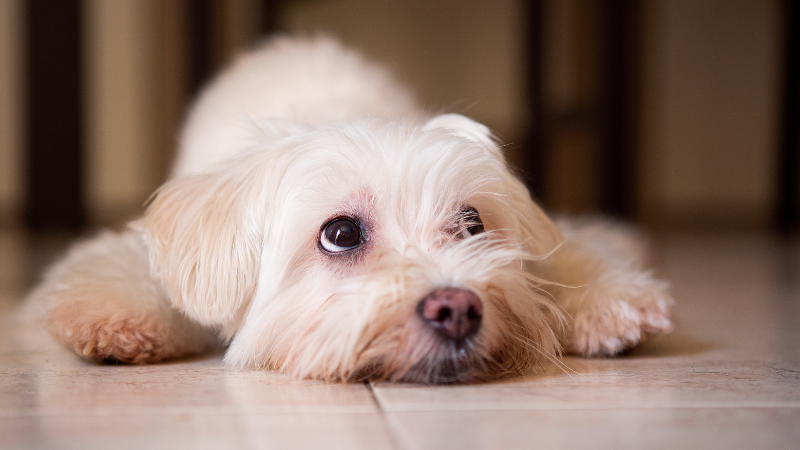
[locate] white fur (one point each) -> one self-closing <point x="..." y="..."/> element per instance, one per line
<point x="299" y="132"/>
<point x="285" y="86"/>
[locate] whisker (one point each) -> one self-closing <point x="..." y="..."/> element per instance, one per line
<point x="540" y="349"/>
<point x="552" y="358"/>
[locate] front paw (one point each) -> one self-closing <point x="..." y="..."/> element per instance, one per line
<point x="617" y="318"/>
<point x="106" y="331"/>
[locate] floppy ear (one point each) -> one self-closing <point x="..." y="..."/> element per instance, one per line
<point x="204" y="234"/>
<point x="539" y="233"/>
<point x="463" y="127"/>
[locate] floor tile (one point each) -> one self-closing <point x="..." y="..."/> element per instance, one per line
<point x="197" y="431"/>
<point x="718" y="428"/>
<point x="605" y="385"/>
<point x="729" y="377"/>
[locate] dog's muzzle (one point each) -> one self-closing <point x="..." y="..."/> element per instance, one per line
<point x="454" y="313"/>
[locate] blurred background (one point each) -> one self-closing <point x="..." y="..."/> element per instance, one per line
<point x="675" y="114"/>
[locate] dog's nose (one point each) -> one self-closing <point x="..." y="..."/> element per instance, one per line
<point x="454" y="313"/>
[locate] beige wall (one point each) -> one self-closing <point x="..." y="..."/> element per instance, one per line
<point x="709" y="128"/>
<point x="120" y="104"/>
<point x="136" y="92"/>
<point x="11" y="110"/>
<point x="709" y="83"/>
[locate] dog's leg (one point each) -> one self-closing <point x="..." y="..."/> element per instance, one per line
<point x="612" y="303"/>
<point x="101" y="301"/>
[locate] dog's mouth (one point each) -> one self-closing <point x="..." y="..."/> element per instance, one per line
<point x="451" y="362"/>
<point x="447" y="361"/>
<point x="463" y="365"/>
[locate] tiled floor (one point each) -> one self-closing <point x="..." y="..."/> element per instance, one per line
<point x="728" y="378"/>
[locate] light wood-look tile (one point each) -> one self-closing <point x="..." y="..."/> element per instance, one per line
<point x="729" y="377"/>
<point x="601" y="386"/>
<point x="571" y="429"/>
<point x="196" y="430"/>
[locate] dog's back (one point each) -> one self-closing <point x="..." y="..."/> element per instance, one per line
<point x="286" y="84"/>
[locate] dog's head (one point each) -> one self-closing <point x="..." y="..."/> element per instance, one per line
<point x="367" y="249"/>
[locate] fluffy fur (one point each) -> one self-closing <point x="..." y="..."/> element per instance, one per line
<point x="298" y="133"/>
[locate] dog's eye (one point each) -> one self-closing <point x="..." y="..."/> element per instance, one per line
<point x="340" y="235"/>
<point x="469" y="222"/>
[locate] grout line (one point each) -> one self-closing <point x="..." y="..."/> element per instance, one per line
<point x="373" y="396"/>
<point x="395" y="434"/>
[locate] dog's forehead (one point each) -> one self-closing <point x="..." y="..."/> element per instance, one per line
<point x="401" y="162"/>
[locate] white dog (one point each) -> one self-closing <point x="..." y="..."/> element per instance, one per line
<point x="318" y="223"/>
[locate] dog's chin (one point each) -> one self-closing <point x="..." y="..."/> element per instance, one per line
<point x="471" y="360"/>
<point x="448" y="362"/>
<point x="461" y="367"/>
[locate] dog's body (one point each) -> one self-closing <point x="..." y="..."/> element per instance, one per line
<point x="321" y="224"/>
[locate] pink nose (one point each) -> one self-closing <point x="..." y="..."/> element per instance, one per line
<point x="454" y="313"/>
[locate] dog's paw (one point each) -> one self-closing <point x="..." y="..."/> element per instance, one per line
<point x="620" y="318"/>
<point x="110" y="334"/>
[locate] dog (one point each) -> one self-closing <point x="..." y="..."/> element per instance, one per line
<point x="317" y="222"/>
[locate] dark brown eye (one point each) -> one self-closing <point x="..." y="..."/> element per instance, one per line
<point x="340" y="235"/>
<point x="469" y="222"/>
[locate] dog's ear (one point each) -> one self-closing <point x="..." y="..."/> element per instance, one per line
<point x="204" y="234"/>
<point x="464" y="127"/>
<point x="540" y="235"/>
